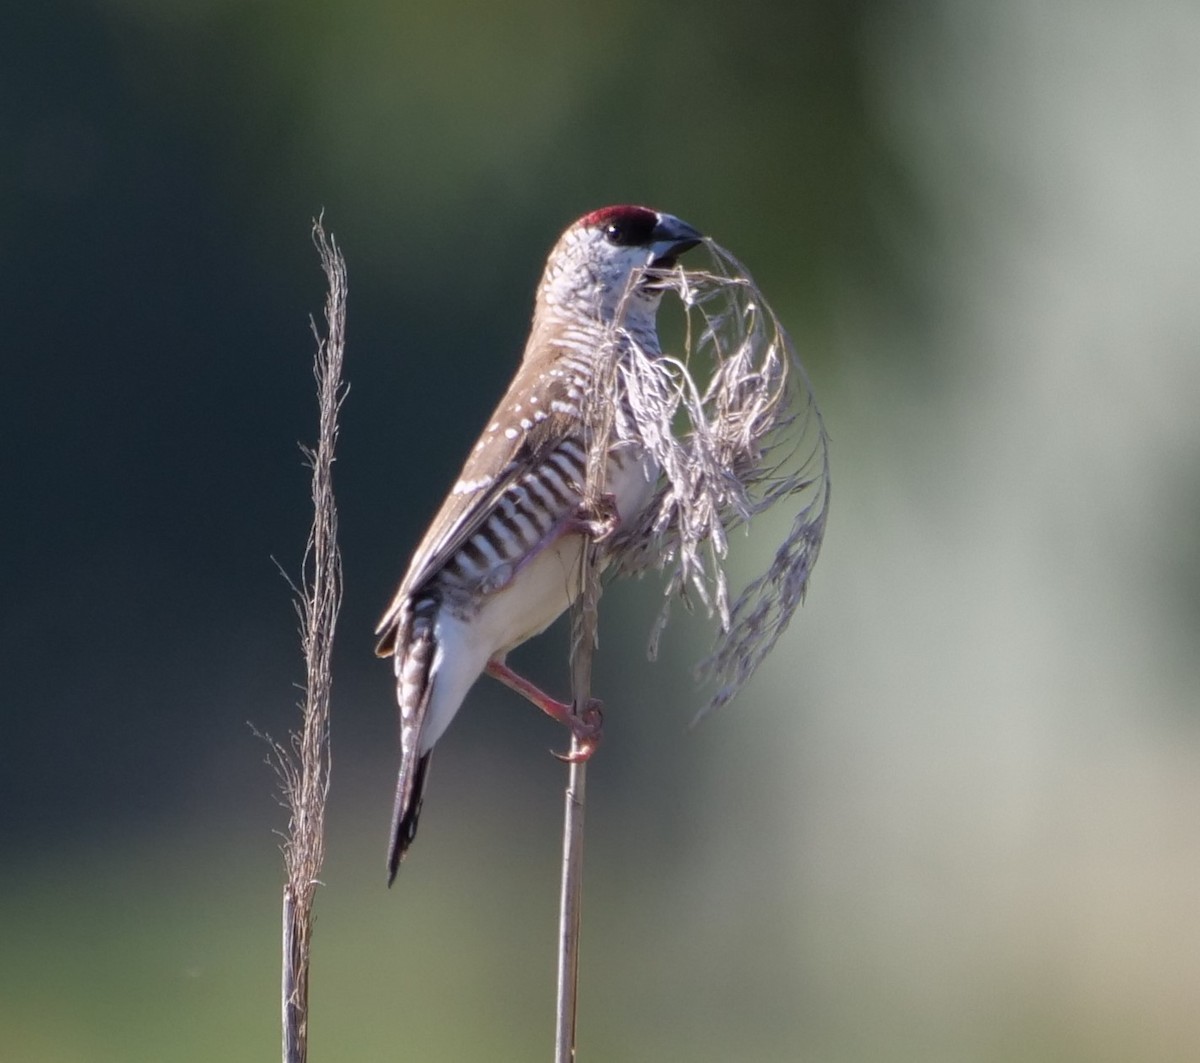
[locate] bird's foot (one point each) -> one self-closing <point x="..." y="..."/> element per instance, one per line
<point x="587" y="728"/>
<point x="597" y="521"/>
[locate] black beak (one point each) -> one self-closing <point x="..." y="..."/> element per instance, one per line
<point x="672" y="238"/>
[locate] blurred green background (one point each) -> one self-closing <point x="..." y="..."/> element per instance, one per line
<point x="956" y="817"/>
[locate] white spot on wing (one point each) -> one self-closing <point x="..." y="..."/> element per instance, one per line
<point x="510" y="433"/>
<point x="465" y="487"/>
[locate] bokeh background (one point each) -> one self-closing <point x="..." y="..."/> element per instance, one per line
<point x="956" y="818"/>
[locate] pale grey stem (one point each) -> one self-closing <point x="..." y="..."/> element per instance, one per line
<point x="568" y="911"/>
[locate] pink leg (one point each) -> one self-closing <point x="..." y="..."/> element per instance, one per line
<point x="585" y="727"/>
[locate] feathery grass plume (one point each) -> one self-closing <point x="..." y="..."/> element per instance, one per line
<point x="730" y="449"/>
<point x="303" y="763"/>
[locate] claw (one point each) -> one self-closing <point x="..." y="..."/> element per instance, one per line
<point x="587" y="728"/>
<point x="598" y="522"/>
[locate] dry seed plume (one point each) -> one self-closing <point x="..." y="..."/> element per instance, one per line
<point x="730" y="449"/>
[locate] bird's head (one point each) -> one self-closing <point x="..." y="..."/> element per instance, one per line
<point x="601" y="262"/>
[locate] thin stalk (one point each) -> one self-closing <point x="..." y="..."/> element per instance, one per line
<point x="570" y="895"/>
<point x="569" y="907"/>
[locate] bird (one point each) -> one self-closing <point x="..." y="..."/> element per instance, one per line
<point x="501" y="559"/>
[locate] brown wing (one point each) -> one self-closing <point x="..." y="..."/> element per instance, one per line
<point x="518" y="437"/>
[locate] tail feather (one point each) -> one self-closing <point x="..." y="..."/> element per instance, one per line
<point x="410" y="795"/>
<point x="412" y="643"/>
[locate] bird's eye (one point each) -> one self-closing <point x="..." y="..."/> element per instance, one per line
<point x="617" y="234"/>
